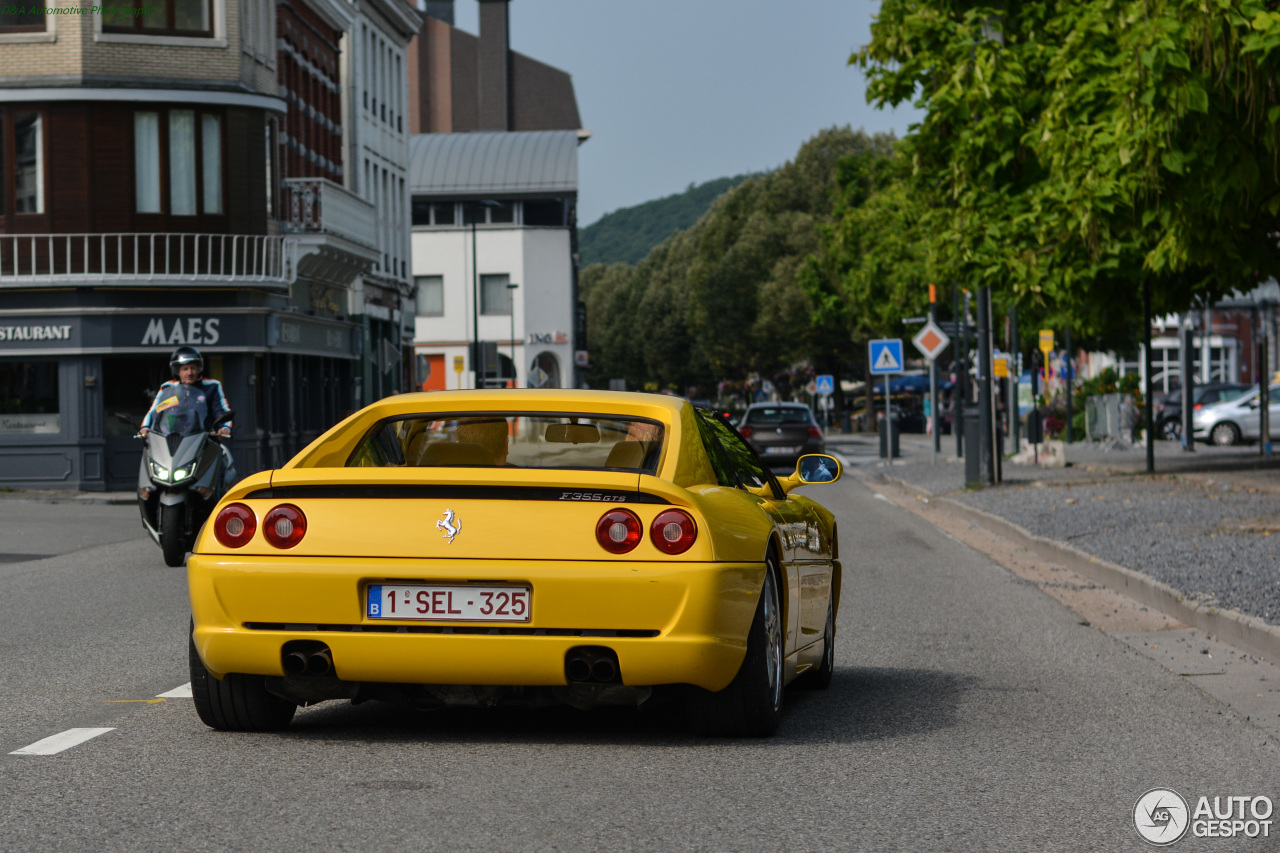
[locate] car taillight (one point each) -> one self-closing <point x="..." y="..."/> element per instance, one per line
<point x="745" y="431"/>
<point x="1198" y="406"/>
<point x="235" y="525"/>
<point x="284" y="526"/>
<point x="814" y="432"/>
<point x="618" y="531"/>
<point x="673" y="532"/>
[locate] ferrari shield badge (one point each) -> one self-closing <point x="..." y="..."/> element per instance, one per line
<point x="449" y="525"/>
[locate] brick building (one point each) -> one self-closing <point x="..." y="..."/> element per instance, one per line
<point x="176" y="176"/>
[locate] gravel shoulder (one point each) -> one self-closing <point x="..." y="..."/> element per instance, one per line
<point x="1209" y="528"/>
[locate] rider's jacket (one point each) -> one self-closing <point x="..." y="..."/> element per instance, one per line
<point x="211" y="395"/>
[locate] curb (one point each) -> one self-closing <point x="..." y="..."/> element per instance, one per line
<point x="1232" y="627"/>
<point x="109" y="498"/>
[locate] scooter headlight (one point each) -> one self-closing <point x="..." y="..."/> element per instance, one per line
<point x="184" y="473"/>
<point x="159" y="472"/>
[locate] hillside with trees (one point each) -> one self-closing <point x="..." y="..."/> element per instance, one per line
<point x="627" y="235"/>
<point x="759" y="287"/>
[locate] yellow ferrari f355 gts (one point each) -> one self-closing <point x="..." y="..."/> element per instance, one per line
<point x="523" y="546"/>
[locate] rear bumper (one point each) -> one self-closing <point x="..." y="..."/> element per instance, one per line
<point x="680" y="623"/>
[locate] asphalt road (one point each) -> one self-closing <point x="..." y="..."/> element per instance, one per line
<point x="968" y="711"/>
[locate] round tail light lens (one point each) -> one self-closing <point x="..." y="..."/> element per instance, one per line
<point x="284" y="526"/>
<point x="745" y="431"/>
<point x="618" y="531"/>
<point x="235" y="525"/>
<point x="673" y="532"/>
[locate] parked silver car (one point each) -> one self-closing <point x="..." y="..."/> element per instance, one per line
<point x="1234" y="421"/>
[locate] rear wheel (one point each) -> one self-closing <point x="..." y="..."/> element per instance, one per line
<point x="1171" y="429"/>
<point x="237" y="703"/>
<point x="171" y="534"/>
<point x="1224" y="434"/>
<point x="751" y="706"/>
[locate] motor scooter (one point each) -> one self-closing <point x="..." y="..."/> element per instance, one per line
<point x="185" y="471"/>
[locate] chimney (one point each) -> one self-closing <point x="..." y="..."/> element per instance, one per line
<point x="441" y="10"/>
<point x="494" y="64"/>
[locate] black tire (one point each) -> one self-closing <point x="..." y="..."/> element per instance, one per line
<point x="237" y="703"/>
<point x="171" y="534"/>
<point x="819" y="678"/>
<point x="751" y="706"/>
<point x="1170" y="429"/>
<point x="1224" y="434"/>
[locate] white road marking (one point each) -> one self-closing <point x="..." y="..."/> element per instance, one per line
<point x="183" y="692"/>
<point x="59" y="742"/>
<point x="881" y="497"/>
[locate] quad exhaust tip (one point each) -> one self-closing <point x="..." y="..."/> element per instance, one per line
<point x="591" y="665"/>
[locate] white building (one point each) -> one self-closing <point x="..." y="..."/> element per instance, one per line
<point x="375" y="108"/>
<point x="494" y="222"/>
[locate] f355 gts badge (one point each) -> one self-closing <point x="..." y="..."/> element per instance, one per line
<point x="450" y="525"/>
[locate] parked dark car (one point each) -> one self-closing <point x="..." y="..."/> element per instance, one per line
<point x="781" y="432"/>
<point x="1169" y="411"/>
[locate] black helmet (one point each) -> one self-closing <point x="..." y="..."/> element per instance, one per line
<point x="186" y="355"/>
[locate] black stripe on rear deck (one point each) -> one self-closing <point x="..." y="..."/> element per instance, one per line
<point x="458" y="493"/>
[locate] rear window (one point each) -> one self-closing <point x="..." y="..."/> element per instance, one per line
<point x="513" y="440"/>
<point x="778" y="415"/>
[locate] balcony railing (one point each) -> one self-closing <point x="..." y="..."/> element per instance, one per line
<point x="141" y="258"/>
<point x="320" y="206"/>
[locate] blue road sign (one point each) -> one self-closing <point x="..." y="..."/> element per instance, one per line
<point x="886" y="356"/>
<point x="826" y="384"/>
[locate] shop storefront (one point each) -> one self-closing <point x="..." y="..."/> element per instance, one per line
<point x="65" y="373"/>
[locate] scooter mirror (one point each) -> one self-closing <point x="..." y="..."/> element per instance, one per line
<point x="125" y="419"/>
<point x="224" y="418"/>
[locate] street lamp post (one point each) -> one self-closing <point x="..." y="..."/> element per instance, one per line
<point x="477" y="210"/>
<point x="511" y="307"/>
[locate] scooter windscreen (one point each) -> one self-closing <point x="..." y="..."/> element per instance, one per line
<point x="182" y="410"/>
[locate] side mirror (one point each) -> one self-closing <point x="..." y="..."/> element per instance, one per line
<point x="124" y="418"/>
<point x="814" y="468"/>
<point x="224" y="418"/>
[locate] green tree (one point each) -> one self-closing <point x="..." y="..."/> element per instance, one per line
<point x="1069" y="148"/>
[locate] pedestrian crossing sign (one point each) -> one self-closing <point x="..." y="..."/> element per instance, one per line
<point x="886" y="356"/>
<point x="825" y="384"/>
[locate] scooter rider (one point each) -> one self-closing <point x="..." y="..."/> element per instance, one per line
<point x="187" y="365"/>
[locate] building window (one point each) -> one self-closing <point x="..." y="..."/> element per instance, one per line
<point x="430" y="295"/>
<point x="184" y="147"/>
<point x="160" y="17"/>
<point x="146" y="161"/>
<point x="495" y="296"/>
<point x="29" y="20"/>
<point x="548" y="212"/>
<point x="29" y="397"/>
<point x="211" y="162"/>
<point x="182" y="162"/>
<point x="433" y="213"/>
<point x="28" y="156"/>
<point x="488" y="212"/>
<point x="22" y="162"/>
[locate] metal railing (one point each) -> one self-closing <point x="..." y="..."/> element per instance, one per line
<point x="320" y="206"/>
<point x="141" y="258"/>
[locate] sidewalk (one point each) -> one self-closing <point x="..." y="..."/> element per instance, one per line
<point x="1199" y="531"/>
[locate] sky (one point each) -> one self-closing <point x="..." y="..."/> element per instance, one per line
<point x="679" y="92"/>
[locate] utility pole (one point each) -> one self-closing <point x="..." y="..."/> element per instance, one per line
<point x="1015" y="376"/>
<point x="1071" y="375"/>
<point x="1146" y="359"/>
<point x="985" y="401"/>
<point x="935" y="416"/>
